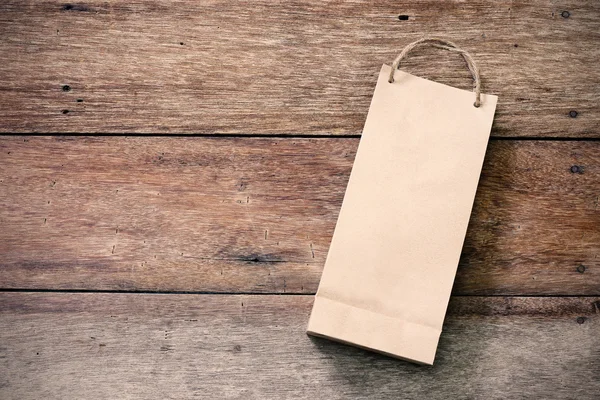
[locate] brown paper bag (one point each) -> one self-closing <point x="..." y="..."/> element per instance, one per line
<point x="396" y="246"/>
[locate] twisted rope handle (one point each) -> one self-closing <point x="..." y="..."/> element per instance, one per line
<point x="446" y="45"/>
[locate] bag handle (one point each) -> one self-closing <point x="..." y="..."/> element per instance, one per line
<point x="446" y="45"/>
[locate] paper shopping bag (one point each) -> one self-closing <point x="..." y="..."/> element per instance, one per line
<point x="396" y="246"/>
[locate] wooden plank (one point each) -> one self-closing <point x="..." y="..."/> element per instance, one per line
<point x="257" y="215"/>
<point x="107" y="346"/>
<point x="301" y="67"/>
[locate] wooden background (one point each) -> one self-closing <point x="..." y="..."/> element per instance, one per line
<point x="171" y="173"/>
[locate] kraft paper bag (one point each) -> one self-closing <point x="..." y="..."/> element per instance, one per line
<point x="396" y="246"/>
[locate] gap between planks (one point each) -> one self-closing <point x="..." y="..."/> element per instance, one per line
<point x="211" y="293"/>
<point x="273" y="136"/>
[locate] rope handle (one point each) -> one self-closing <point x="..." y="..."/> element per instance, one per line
<point x="446" y="45"/>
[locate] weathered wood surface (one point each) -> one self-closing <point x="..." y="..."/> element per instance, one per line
<point x="257" y="214"/>
<point x="109" y="346"/>
<point x="285" y="67"/>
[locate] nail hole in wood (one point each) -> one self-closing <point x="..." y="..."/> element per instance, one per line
<point x="565" y="14"/>
<point x="573" y="114"/>
<point x="580" y="320"/>
<point x="65" y="111"/>
<point x="576" y="169"/>
<point x="403" y="17"/>
<point x="80" y="100"/>
<point x="581" y="269"/>
<point x="66" y="88"/>
<point x="68" y="7"/>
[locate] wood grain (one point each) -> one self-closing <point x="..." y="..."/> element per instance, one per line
<point x="303" y="67"/>
<point x="107" y="346"/>
<point x="256" y="215"/>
